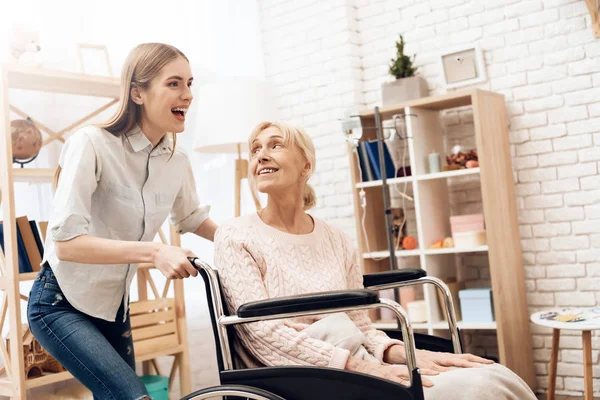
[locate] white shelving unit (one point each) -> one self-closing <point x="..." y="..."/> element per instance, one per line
<point x="432" y="210"/>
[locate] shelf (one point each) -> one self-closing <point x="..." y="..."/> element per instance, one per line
<point x="392" y="181"/>
<point x="435" y="203"/>
<point x="449" y="174"/>
<point x="389" y="325"/>
<point x="385" y="254"/>
<point x="465" y="326"/>
<point x="63" y="376"/>
<point x="440" y="102"/>
<point x="418" y="252"/>
<point x="33" y="175"/>
<point x="28" y="276"/>
<point x="427" y="177"/>
<point x="48" y="379"/>
<point x="55" y="81"/>
<point x="45" y="80"/>
<point x="166" y="352"/>
<point x="456" y="250"/>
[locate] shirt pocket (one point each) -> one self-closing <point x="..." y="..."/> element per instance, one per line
<point x="121" y="211"/>
<point x="164" y="204"/>
<point x="164" y="200"/>
<point x="122" y="192"/>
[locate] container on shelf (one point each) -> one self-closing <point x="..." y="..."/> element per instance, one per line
<point x="435" y="164"/>
<point x="467" y="223"/>
<point x="454" y="286"/>
<point x="469" y="239"/>
<point x="417" y="311"/>
<point x="477" y="305"/>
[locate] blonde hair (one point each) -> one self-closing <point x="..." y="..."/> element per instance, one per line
<point x="142" y="65"/>
<point x="292" y="136"/>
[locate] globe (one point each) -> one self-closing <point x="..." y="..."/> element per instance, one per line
<point x="26" y="140"/>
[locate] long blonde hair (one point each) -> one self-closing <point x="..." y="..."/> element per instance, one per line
<point x="292" y="136"/>
<point x="142" y="65"/>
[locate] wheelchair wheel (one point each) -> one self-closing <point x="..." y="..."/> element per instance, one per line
<point x="237" y="391"/>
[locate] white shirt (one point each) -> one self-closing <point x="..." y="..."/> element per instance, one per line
<point x="116" y="187"/>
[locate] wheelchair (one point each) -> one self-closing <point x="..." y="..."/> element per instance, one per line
<point x="316" y="383"/>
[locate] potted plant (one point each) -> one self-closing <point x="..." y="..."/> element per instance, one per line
<point x="407" y="85"/>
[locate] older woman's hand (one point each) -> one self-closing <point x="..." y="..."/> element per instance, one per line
<point x="395" y="373"/>
<point x="433" y="360"/>
<point x="437" y="361"/>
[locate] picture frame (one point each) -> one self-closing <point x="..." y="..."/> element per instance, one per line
<point x="93" y="55"/>
<point x="462" y="66"/>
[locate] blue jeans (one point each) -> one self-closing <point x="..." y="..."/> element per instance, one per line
<point x="98" y="353"/>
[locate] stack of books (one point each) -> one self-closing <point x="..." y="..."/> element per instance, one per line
<point x="30" y="244"/>
<point x="368" y="155"/>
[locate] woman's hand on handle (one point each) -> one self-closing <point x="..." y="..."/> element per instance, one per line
<point x="173" y="262"/>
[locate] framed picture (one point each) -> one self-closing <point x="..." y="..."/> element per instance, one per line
<point x="462" y="66"/>
<point x="93" y="59"/>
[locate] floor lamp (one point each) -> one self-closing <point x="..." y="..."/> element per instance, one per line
<point x="228" y="112"/>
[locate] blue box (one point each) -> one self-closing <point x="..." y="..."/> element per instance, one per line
<point x="477" y="305"/>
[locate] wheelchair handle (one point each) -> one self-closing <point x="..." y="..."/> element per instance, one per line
<point x="195" y="261"/>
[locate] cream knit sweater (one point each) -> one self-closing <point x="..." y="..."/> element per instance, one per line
<point x="256" y="262"/>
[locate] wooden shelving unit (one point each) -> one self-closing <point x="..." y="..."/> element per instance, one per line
<point x="423" y="119"/>
<point x="594" y="9"/>
<point x="13" y="382"/>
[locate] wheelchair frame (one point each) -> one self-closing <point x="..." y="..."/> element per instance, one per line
<point x="221" y="322"/>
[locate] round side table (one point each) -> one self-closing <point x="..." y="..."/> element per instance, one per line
<point x="584" y="320"/>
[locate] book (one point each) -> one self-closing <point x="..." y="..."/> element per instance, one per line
<point x="366" y="164"/>
<point x="364" y="176"/>
<point x="43" y="226"/>
<point x="30" y="243"/>
<point x="373" y="152"/>
<point x="38" y="238"/>
<point x="24" y="264"/>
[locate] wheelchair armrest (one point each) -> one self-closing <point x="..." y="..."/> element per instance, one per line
<point x="395" y="276"/>
<point x="308" y="302"/>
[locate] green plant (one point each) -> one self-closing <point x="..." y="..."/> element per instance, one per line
<point x="402" y="66"/>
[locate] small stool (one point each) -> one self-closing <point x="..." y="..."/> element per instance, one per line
<point x="590" y="320"/>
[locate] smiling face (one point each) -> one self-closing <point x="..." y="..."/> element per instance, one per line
<point x="277" y="166"/>
<point x="167" y="98"/>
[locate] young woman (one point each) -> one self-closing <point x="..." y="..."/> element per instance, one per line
<point x="283" y="251"/>
<point x="115" y="186"/>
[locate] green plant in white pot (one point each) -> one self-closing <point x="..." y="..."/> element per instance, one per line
<point x="407" y="85"/>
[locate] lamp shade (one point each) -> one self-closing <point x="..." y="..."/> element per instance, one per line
<point x="226" y="112"/>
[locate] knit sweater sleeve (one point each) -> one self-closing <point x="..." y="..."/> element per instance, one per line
<point x="377" y="341"/>
<point x="271" y="342"/>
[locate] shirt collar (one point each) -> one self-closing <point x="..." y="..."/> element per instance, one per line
<point x="139" y="141"/>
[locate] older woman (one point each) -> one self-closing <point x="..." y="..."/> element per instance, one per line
<point x="283" y="251"/>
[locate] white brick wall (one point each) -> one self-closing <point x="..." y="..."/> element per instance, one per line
<point x="329" y="57"/>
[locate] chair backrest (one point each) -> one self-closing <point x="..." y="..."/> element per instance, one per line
<point x="153" y="326"/>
